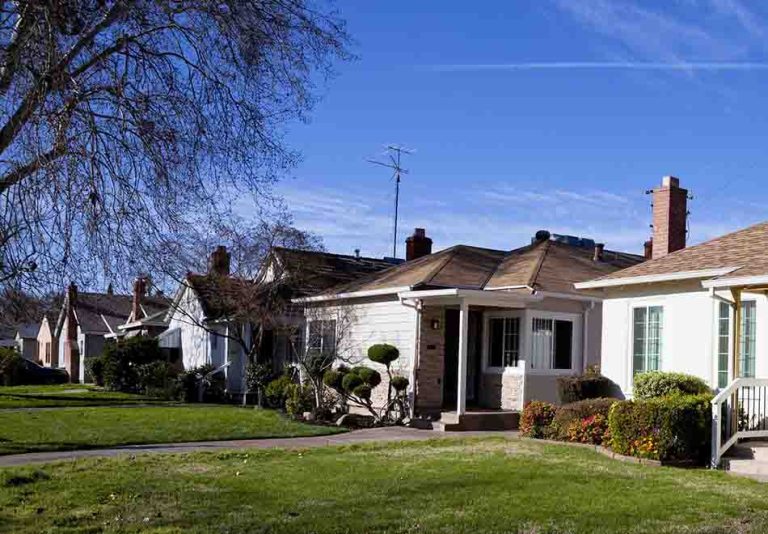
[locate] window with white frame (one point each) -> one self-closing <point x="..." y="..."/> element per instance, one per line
<point x="723" y="343"/>
<point x="748" y="339"/>
<point x="321" y="336"/>
<point x="647" y="335"/>
<point x="503" y="342"/>
<point x="551" y="343"/>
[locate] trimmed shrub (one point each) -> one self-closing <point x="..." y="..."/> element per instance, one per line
<point x="576" y="413"/>
<point x="298" y="400"/>
<point x="369" y="376"/>
<point x="122" y="359"/>
<point x="674" y="429"/>
<point x="350" y="381"/>
<point x="592" y="429"/>
<point x="11" y="367"/>
<point x="158" y="379"/>
<point x="582" y="387"/>
<point x="655" y="384"/>
<point x="188" y="384"/>
<point x="536" y="419"/>
<point x="383" y="353"/>
<point x="399" y="383"/>
<point x="278" y="390"/>
<point x="362" y="391"/>
<point x="94" y="370"/>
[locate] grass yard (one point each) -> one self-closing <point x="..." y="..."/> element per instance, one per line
<point x="472" y="486"/>
<point x="66" y="395"/>
<point x="97" y="427"/>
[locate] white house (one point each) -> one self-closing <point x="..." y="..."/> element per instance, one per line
<point x="476" y="328"/>
<point x="699" y="310"/>
<point x="209" y="321"/>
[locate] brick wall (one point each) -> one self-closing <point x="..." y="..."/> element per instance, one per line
<point x="429" y="375"/>
<point x="670" y="213"/>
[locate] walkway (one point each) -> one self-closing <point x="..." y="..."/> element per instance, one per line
<point x="357" y="436"/>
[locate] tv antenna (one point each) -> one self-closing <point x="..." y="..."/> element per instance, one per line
<point x="394" y="152"/>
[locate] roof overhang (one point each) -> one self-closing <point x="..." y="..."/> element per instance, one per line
<point x="737" y="281"/>
<point x="352" y="295"/>
<point x="472" y="296"/>
<point x="655" y="278"/>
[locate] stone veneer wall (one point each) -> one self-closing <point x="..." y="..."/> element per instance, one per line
<point x="429" y="374"/>
<point x="502" y="391"/>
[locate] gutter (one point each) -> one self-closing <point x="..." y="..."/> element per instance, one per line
<point x="418" y="306"/>
<point x="653" y="278"/>
<point x="352" y="294"/>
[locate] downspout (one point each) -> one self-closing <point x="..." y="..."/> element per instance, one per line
<point x="585" y="336"/>
<point x="418" y="306"/>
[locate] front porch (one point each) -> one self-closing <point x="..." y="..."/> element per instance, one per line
<point x="482" y="354"/>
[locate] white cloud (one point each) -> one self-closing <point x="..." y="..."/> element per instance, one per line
<point x="680" y="66"/>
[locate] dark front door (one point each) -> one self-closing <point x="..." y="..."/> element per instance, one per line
<point x="451" y="362"/>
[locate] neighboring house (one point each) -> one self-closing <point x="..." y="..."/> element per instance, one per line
<point x="149" y="314"/>
<point x="26" y="340"/>
<point x="700" y="310"/>
<point x="86" y="322"/>
<point x="202" y="322"/>
<point x="47" y="342"/>
<point x="475" y="327"/>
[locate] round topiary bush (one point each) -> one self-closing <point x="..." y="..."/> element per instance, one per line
<point x="399" y="383"/>
<point x="363" y="391"/>
<point x="655" y="384"/>
<point x="368" y="375"/>
<point x="383" y="354"/>
<point x="350" y="382"/>
<point x="333" y="379"/>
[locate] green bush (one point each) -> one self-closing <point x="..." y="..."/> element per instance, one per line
<point x="278" y="391"/>
<point x="11" y="367"/>
<point x="536" y="419"/>
<point x="673" y="429"/>
<point x="122" y="359"/>
<point x="298" y="400"/>
<point x="383" y="354"/>
<point x="369" y="376"/>
<point x="655" y="384"/>
<point x="576" y="412"/>
<point x="188" y="384"/>
<point x="158" y="379"/>
<point x="582" y="387"/>
<point x="94" y="370"/>
<point x="399" y="383"/>
<point x="350" y="381"/>
<point x="258" y="375"/>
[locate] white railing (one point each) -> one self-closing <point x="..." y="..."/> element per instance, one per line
<point x="739" y="411"/>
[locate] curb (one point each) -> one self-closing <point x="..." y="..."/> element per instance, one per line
<point x="599" y="449"/>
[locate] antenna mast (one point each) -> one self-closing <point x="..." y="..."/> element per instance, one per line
<point x="394" y="152"/>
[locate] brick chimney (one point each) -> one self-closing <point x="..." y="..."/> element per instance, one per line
<point x="71" y="351"/>
<point x="648" y="249"/>
<point x="139" y="292"/>
<point x="670" y="214"/>
<point x="599" y="250"/>
<point x="218" y="263"/>
<point x="418" y="245"/>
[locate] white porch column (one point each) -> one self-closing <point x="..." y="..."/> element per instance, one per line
<point x="461" y="391"/>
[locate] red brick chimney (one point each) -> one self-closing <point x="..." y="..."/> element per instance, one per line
<point x="418" y="245"/>
<point x="599" y="251"/>
<point x="139" y="292"/>
<point x="670" y="214"/>
<point x="218" y="263"/>
<point x="648" y="249"/>
<point x="71" y="351"/>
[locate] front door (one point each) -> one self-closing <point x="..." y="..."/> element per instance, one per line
<point x="451" y="361"/>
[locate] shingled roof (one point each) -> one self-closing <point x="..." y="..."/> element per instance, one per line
<point x="546" y="265"/>
<point x="742" y="253"/>
<point x="94" y="311"/>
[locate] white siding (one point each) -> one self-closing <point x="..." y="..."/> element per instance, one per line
<point x="195" y="342"/>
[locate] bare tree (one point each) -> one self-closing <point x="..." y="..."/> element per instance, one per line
<point x="132" y="128"/>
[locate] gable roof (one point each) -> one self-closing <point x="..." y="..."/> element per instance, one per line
<point x="547" y="265"/>
<point x="303" y="271"/>
<point x="738" y="254"/>
<point x="103" y="313"/>
<point x="28" y="330"/>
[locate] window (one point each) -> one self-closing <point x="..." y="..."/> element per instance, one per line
<point x="322" y="336"/>
<point x="723" y="343"/>
<point x="552" y="344"/>
<point x="504" y="342"/>
<point x="648" y="329"/>
<point x="748" y="339"/>
<point x="48" y="353"/>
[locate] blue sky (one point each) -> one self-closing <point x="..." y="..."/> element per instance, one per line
<point x="532" y="114"/>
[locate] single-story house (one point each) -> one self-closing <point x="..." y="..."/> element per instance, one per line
<point x="475" y="327"/>
<point x="47" y="342"/>
<point x="26" y="340"/>
<point x="87" y="321"/>
<point x="213" y="315"/>
<point x="699" y="310"/>
<point x="149" y="314"/>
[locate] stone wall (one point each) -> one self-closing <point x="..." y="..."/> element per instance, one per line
<point x="502" y="391"/>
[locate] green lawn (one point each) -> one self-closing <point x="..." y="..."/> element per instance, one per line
<point x="472" y="486"/>
<point x="66" y="395"/>
<point x="81" y="428"/>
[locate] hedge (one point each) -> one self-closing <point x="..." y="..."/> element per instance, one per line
<point x="582" y="387"/>
<point x="654" y="384"/>
<point x="576" y="412"/>
<point x="674" y="429"/>
<point x="536" y="419"/>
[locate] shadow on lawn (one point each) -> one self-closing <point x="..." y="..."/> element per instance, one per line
<point x="74" y="400"/>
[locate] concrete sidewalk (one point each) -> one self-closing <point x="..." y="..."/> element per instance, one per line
<point x="358" y="436"/>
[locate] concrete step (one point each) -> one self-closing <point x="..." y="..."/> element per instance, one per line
<point x="746" y="467"/>
<point x="477" y="420"/>
<point x="749" y="458"/>
<point x="750" y="450"/>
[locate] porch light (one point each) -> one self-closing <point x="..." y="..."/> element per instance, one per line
<point x="435" y="324"/>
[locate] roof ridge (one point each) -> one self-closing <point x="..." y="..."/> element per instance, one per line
<point x="449" y="253"/>
<point x="545" y="245"/>
<point x="335" y="254"/>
